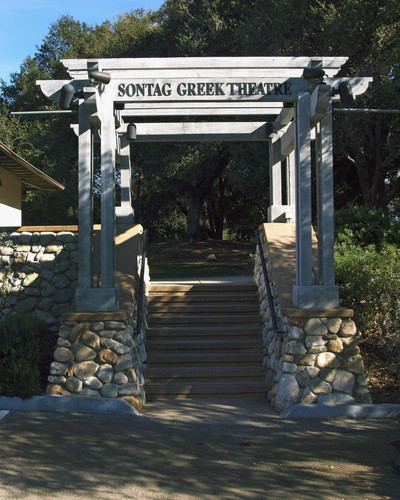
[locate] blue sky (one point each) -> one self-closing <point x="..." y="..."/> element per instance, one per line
<point x="24" y="23"/>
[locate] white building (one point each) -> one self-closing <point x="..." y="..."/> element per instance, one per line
<point x="17" y="174"/>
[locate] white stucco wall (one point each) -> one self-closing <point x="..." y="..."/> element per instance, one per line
<point x="10" y="199"/>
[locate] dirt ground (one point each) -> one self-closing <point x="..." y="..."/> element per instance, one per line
<point x="191" y="449"/>
<point x="179" y="259"/>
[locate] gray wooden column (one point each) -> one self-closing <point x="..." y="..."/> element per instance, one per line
<point x="124" y="213"/>
<point x="108" y="200"/>
<point x="303" y="191"/>
<point x="85" y="202"/>
<point x="291" y="181"/>
<point x="324" y="150"/>
<point x="275" y="172"/>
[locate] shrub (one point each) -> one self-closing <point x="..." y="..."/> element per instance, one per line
<point x="364" y="226"/>
<point x="369" y="281"/>
<point x="21" y="338"/>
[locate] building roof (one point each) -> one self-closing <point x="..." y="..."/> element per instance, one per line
<point x="31" y="177"/>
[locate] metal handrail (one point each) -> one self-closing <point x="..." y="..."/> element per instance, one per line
<point x="267" y="285"/>
<point x="141" y="284"/>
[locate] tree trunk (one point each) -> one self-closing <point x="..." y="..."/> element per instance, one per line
<point x="195" y="229"/>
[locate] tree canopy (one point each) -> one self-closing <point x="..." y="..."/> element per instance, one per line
<point x="212" y="187"/>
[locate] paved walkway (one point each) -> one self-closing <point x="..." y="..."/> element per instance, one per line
<point x="197" y="449"/>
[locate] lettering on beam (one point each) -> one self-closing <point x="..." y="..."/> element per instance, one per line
<point x="183" y="90"/>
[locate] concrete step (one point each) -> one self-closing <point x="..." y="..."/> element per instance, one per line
<point x="212" y="372"/>
<point x="189" y="298"/>
<point x="205" y="308"/>
<point x="199" y="389"/>
<point x="199" y="332"/>
<point x="202" y="288"/>
<point x="164" y="358"/>
<point x="202" y="319"/>
<point x="205" y="345"/>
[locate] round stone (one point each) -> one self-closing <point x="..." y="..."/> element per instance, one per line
<point x="62" y="354"/>
<point x="287" y="392"/>
<point x="31" y="280"/>
<point x="319" y="386"/>
<point x="90" y="393"/>
<point x="315" y="327"/>
<point x="73" y="384"/>
<point x="105" y="373"/>
<point x="303" y="378"/>
<point x="57" y="390"/>
<point x="125" y="338"/>
<point x="124" y="362"/>
<point x="335" y="346"/>
<point x="348" y="328"/>
<point x="134" y="401"/>
<point x="295" y="347"/>
<point x="61" y="342"/>
<point x="308" y="360"/>
<point x="107" y="356"/>
<point x="57" y="368"/>
<point x="97" y="327"/>
<point x="295" y="333"/>
<point x="119" y="378"/>
<point x="336" y="399"/>
<point x="328" y="374"/>
<point x="78" y="330"/>
<point x="343" y="382"/>
<point x="115" y="346"/>
<point x="327" y="360"/>
<point x="83" y="352"/>
<point x="333" y="325"/>
<point x="91" y="340"/>
<point x="129" y="390"/>
<point x="289" y="367"/>
<point x="314" y="341"/>
<point x="93" y="383"/>
<point x="312" y="371"/>
<point x="355" y="364"/>
<point x="85" y="369"/>
<point x="308" y="397"/>
<point x="53" y="379"/>
<point x="109" y="391"/>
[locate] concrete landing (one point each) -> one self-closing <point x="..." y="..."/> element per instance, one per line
<point x="75" y="404"/>
<point x="193" y="450"/>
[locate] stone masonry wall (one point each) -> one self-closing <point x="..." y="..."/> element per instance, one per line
<point x="96" y="357"/>
<point x="315" y="359"/>
<point x="38" y="273"/>
<point x="99" y="358"/>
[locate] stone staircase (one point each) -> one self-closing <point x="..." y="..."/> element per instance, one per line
<point x="204" y="340"/>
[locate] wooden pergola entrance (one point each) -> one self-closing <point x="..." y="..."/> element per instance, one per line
<point x="286" y="101"/>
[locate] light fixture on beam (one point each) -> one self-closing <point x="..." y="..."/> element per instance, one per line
<point x="67" y="95"/>
<point x="131" y="132"/>
<point x="99" y="77"/>
<point x="346" y="94"/>
<point x="313" y="73"/>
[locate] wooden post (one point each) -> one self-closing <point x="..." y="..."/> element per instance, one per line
<point x="325" y="199"/>
<point x="303" y="191"/>
<point x="85" y="186"/>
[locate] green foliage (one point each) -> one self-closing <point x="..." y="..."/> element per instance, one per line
<point x="369" y="282"/>
<point x="367" y="260"/>
<point x="21" y="339"/>
<point x="361" y="226"/>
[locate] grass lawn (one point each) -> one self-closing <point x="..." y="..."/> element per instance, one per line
<point x="178" y="259"/>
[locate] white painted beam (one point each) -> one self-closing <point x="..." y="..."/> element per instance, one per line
<point x="199" y="131"/>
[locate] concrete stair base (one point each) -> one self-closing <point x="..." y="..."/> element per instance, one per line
<point x="204" y="340"/>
